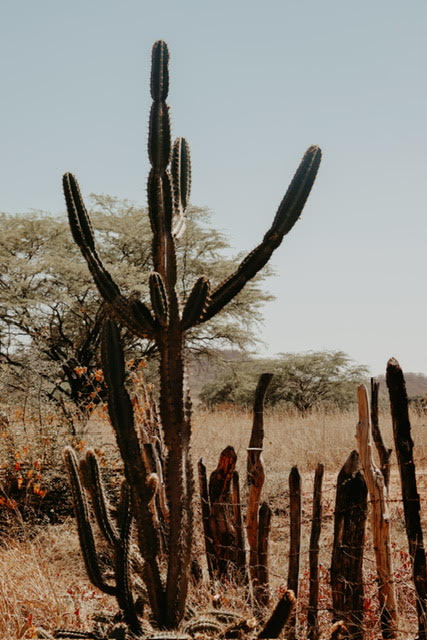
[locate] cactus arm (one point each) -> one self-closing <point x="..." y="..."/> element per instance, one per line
<point x="136" y="316"/>
<point x="86" y="537"/>
<point x="143" y="317"/>
<point x="159" y="186"/>
<point x="159" y="137"/>
<point x="121" y="415"/>
<point x="196" y="304"/>
<point x="90" y="473"/>
<point x="279" y="617"/>
<point x="159" y="299"/>
<point x="181" y="174"/>
<point x="159" y="81"/>
<point x="181" y="184"/>
<point x="288" y="213"/>
<point x="122" y="561"/>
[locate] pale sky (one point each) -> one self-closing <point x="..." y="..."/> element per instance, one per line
<point x="252" y="86"/>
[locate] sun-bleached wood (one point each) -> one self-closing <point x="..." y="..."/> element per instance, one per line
<point x="380" y="518"/>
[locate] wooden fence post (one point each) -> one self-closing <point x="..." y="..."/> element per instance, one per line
<point x="380" y="519"/>
<point x="294" y="544"/>
<point x="221" y="518"/>
<point x="206" y="508"/>
<point x="347" y="553"/>
<point x="262" y="595"/>
<point x="316" y="523"/>
<point x="255" y="474"/>
<point x="238" y="522"/>
<point x="411" y="500"/>
<point x="383" y="453"/>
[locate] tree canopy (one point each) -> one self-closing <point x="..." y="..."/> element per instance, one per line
<point x="51" y="312"/>
<point x="301" y="380"/>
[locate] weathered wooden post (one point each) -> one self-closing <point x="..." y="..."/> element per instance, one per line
<point x="242" y="573"/>
<point x="295" y="543"/>
<point x="206" y="509"/>
<point x="383" y="453"/>
<point x="261" y="588"/>
<point x="347" y="553"/>
<point x="380" y="518"/>
<point x="316" y="523"/>
<point x="256" y="476"/>
<point x="221" y="517"/>
<point x="411" y="500"/>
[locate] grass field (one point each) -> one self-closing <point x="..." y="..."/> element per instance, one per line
<point x="44" y="584"/>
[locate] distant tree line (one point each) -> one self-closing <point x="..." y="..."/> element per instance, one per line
<point x="304" y="381"/>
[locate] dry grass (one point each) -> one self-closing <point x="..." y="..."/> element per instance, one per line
<point x="44" y="582"/>
<point x="44" y="585"/>
<point x="291" y="439"/>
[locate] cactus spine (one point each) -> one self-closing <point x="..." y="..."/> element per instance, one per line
<point x="168" y="190"/>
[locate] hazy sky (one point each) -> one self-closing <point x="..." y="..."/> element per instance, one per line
<point x="252" y="86"/>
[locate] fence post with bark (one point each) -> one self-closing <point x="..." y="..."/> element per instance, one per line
<point x="316" y="523"/>
<point x="380" y="518"/>
<point x="411" y="500"/>
<point x="347" y="553"/>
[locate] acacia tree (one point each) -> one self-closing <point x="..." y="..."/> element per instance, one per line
<point x="50" y="311"/>
<point x="301" y="380"/>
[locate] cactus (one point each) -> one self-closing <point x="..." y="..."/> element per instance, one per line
<point x="87" y="475"/>
<point x="166" y="323"/>
<point x="204" y="625"/>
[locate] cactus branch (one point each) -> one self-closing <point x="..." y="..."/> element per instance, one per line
<point x="121" y="415"/>
<point x="288" y="213"/>
<point x="86" y="537"/>
<point x="141" y="323"/>
<point x="122" y="561"/>
<point x="89" y="470"/>
<point x="181" y="183"/>
<point x="158" y="298"/>
<point x="196" y="304"/>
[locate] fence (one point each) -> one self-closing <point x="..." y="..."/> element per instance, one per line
<point x="351" y="573"/>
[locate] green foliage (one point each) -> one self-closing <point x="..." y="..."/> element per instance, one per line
<point x="302" y="380"/>
<point x="50" y="312"/>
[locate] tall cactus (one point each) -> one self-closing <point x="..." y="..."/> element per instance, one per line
<point x="167" y="322"/>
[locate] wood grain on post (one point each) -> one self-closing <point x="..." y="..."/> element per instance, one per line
<point x="316" y="523"/>
<point x="380" y="518"/>
<point x="255" y="472"/>
<point x="347" y="553"/>
<point x="411" y="500"/>
<point x="383" y="453"/>
<point x="242" y="575"/>
<point x="295" y="543"/>
<point x="221" y="518"/>
<point x="206" y="508"/>
<point x="262" y="595"/>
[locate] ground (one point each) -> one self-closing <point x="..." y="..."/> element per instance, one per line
<point x="44" y="583"/>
